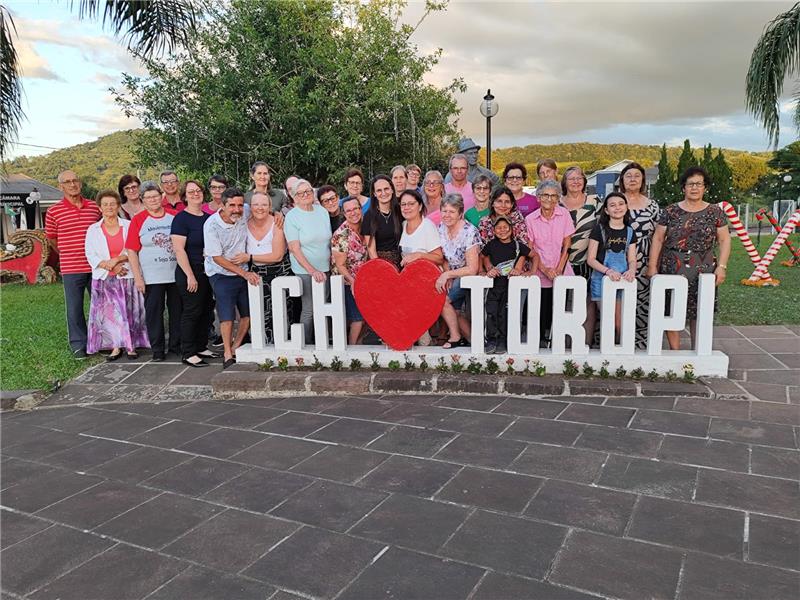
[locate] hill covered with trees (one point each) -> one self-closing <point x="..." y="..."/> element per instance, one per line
<point x="101" y="163"/>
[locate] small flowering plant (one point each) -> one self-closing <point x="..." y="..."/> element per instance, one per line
<point x="457" y="366"/>
<point x="283" y="363"/>
<point x="299" y="361"/>
<point x="688" y="372"/>
<point x="510" y="366"/>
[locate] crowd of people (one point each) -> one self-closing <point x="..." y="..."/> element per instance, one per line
<point x="188" y="250"/>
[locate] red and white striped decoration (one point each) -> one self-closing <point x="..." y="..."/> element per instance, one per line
<point x="733" y="218"/>
<point x="762" y="266"/>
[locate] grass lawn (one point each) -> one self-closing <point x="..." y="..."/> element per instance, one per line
<point x="744" y="305"/>
<point x="34" y="348"/>
<point x="34" y="352"/>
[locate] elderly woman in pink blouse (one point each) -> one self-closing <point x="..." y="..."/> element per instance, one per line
<point x="550" y="230"/>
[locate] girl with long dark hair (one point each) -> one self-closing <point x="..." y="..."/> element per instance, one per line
<point x="383" y="223"/>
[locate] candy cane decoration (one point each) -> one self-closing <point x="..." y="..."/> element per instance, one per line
<point x="761" y="268"/>
<point x="733" y="218"/>
<point x="763" y="213"/>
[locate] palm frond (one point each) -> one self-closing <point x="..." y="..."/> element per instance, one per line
<point x="147" y="26"/>
<point x="776" y="56"/>
<point x="11" y="113"/>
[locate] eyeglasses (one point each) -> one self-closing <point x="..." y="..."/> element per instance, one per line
<point x="353" y="182"/>
<point x="481" y="188"/>
<point x="409" y="204"/>
<point x="131" y="187"/>
<point x="514" y="178"/>
<point x="696" y="184"/>
<point x="304" y="193"/>
<point x="549" y="196"/>
<point x="169" y="181"/>
<point x="329" y="199"/>
<point x="220" y="187"/>
<point x="432" y="183"/>
<point x="193" y="192"/>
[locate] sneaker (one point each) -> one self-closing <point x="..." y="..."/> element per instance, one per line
<point x="501" y="349"/>
<point x="490" y="348"/>
<point x="80" y="354"/>
<point x="217" y="341"/>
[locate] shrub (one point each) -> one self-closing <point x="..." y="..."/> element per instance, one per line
<point x="570" y="368"/>
<point x="637" y="373"/>
<point x="355" y="365"/>
<point x="652" y="375"/>
<point x="620" y="372"/>
<point x="475" y="367"/>
<point x="336" y="364"/>
<point x="492" y="367"/>
<point x="267" y="364"/>
<point x="423" y="364"/>
<point x="375" y="365"/>
<point x="394" y="365"/>
<point x="408" y="364"/>
<point x="587" y="369"/>
<point x="441" y="365"/>
<point x="603" y="372"/>
<point x="283" y="363"/>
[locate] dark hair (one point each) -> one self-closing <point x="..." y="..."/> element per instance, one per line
<point x="324" y="190"/>
<point x="630" y="167"/>
<point x="353" y="172"/>
<point x="218" y="179"/>
<point x="499" y="191"/>
<point x="124" y="181"/>
<point x="231" y="192"/>
<point x="259" y="163"/>
<point x="691" y="172"/>
<point x="108" y="194"/>
<point x="374" y="212"/>
<point x="197" y="183"/>
<point x="417" y="196"/>
<point x="515" y="165"/>
<point x="546" y="162"/>
<point x="603" y="218"/>
<point x="347" y="199"/>
<point x="564" y="179"/>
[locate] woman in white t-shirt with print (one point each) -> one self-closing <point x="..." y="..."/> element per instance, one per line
<point x="420" y="238"/>
<point x="153" y="263"/>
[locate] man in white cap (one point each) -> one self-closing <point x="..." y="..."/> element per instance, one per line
<point x="469" y="148"/>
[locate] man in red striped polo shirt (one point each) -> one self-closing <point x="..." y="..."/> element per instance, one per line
<point x="65" y="225"/>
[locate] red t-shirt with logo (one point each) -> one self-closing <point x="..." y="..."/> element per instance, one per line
<point x="68" y="224"/>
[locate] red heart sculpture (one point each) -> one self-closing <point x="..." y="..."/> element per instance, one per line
<point x="399" y="307"/>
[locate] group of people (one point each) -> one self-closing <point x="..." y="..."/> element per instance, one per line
<point x="191" y="248"/>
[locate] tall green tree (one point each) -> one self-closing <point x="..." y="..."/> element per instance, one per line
<point x="686" y="159"/>
<point x="721" y="180"/>
<point x="664" y="188"/>
<point x="147" y="27"/>
<point x="311" y="87"/>
<point x="775" y="57"/>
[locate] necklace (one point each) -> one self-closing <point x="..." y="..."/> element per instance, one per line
<point x="386" y="216"/>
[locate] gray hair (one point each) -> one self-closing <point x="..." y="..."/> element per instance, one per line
<point x="399" y="168"/>
<point x="460" y="156"/>
<point x="297" y="185"/>
<point x="165" y="173"/>
<point x="433" y="172"/>
<point x="148" y="186"/>
<point x="455" y="200"/>
<point x="548" y="184"/>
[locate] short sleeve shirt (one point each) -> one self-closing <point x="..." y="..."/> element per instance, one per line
<point x="615" y="240"/>
<point x="455" y="249"/>
<point x="385" y="238"/>
<point x="547" y="237"/>
<point x="351" y="244"/>
<point x="313" y="230"/>
<point x="424" y="239"/>
<point x="466" y="193"/>
<point x="68" y="224"/>
<point x="474" y="216"/>
<point x="191" y="227"/>
<point x="527" y="204"/>
<point x="150" y="237"/>
<point x="225" y="240"/>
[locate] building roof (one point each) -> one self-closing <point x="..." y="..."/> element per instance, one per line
<point x="21" y="186"/>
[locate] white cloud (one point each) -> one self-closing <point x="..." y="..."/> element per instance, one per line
<point x="716" y="125"/>
<point x="32" y="65"/>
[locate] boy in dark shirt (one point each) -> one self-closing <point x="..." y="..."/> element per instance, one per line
<point x="502" y="258"/>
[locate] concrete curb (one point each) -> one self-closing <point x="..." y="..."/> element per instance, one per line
<point x="230" y="385"/>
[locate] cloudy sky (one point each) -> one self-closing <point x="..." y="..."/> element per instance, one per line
<point x="625" y="72"/>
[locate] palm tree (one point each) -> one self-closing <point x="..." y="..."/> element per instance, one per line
<point x="776" y="56"/>
<point x="146" y="27"/>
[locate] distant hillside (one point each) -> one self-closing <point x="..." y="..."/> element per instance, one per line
<point x="99" y="163"/>
<point x="102" y="162"/>
<point x="592" y="157"/>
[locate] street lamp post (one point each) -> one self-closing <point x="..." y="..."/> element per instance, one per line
<point x="489" y="109"/>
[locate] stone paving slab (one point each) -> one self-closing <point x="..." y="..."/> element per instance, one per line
<point x="174" y="494"/>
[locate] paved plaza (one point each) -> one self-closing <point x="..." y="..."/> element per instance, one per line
<point x="133" y="482"/>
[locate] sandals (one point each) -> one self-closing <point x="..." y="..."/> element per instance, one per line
<point x="207" y="354"/>
<point x="133" y="355"/>
<point x="461" y="342"/>
<point x="114" y="355"/>
<point x="229" y="362"/>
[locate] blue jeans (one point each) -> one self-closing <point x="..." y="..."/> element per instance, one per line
<point x="75" y="284"/>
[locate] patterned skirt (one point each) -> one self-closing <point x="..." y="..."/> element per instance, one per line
<point x="393" y="256"/>
<point x="690" y="265"/>
<point x="267" y="274"/>
<point x="116" y="316"/>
